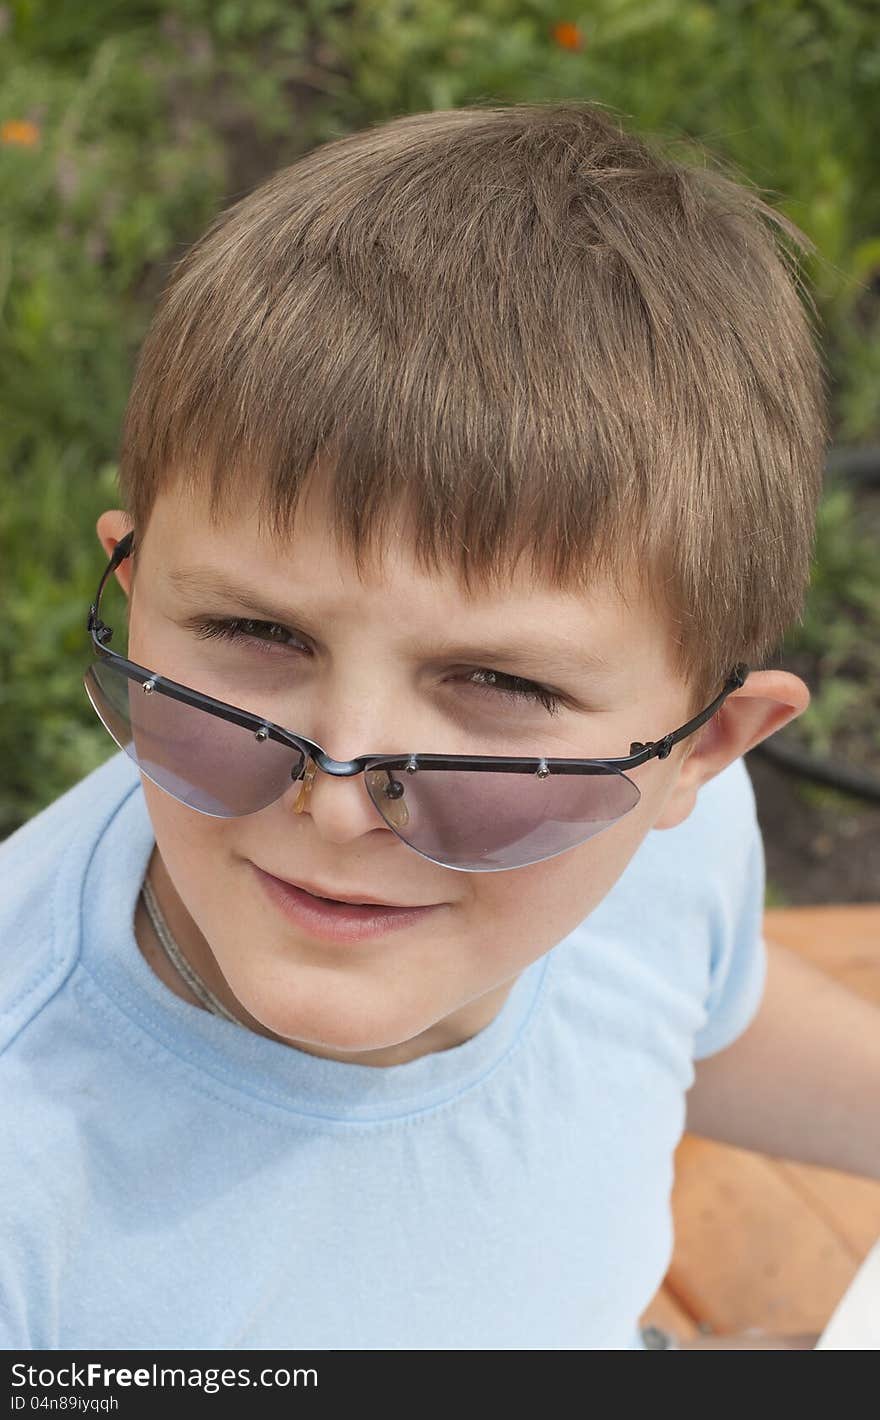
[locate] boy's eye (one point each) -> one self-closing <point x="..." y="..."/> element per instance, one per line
<point x="519" y="689"/>
<point x="234" y="628"/>
<point x="243" y="630"/>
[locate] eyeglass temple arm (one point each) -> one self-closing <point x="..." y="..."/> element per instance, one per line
<point x="664" y="746"/>
<point x="95" y="625"/>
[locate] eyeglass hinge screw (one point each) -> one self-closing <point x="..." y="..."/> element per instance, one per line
<point x="543" y="770"/>
<point x="102" y="632"/>
<point x="262" y="733"/>
<point x="149" y="687"/>
<point x="412" y="765"/>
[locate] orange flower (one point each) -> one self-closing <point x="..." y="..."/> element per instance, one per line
<point x="20" y="133"/>
<point x="567" y="35"/>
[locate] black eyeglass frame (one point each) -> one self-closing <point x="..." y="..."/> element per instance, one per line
<point x="265" y="729"/>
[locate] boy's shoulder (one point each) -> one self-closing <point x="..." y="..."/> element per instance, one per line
<point x="42" y="870"/>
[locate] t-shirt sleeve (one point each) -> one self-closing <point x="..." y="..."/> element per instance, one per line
<point x="739" y="954"/>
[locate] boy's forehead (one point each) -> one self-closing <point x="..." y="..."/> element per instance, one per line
<point x="188" y="552"/>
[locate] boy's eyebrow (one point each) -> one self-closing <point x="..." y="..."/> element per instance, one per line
<point x="553" y="656"/>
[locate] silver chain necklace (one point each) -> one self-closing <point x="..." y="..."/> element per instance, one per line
<point x="178" y="960"/>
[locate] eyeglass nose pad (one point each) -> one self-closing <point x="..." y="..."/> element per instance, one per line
<point x="392" y="793"/>
<point x="311" y="770"/>
<point x="391" y="789"/>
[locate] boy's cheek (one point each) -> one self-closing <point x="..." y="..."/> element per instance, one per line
<point x="543" y="903"/>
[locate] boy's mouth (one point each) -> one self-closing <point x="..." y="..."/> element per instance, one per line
<point x="353" y="898"/>
<point x="335" y="920"/>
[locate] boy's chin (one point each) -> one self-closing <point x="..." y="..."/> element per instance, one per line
<point x="351" y="1031"/>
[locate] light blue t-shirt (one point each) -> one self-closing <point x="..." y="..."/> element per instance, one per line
<point x="170" y="1180"/>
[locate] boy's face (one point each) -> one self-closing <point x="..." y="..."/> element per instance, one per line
<point x="376" y="680"/>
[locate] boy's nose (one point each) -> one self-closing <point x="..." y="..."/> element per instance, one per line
<point x="341" y="807"/>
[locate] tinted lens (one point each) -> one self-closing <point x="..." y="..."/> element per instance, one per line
<point x="467" y="818"/>
<point x="208" y="763"/>
<point x="462" y="818"/>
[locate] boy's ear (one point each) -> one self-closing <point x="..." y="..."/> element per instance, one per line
<point x="763" y="704"/>
<point x="111" y="528"/>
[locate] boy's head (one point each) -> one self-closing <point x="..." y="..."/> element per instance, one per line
<point x="487" y="377"/>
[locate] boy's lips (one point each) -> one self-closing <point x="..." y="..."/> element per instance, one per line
<point x="337" y="921"/>
<point x="352" y="895"/>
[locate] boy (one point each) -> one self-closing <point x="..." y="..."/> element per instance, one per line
<point x="236" y="1116"/>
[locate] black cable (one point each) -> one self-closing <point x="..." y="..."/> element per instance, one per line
<point x="859" y="466"/>
<point x="823" y="771"/>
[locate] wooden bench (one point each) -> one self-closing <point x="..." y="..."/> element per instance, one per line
<point x="760" y="1242"/>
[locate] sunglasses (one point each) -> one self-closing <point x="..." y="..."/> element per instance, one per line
<point x="476" y="813"/>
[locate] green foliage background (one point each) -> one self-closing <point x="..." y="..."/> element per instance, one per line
<point x="151" y="116"/>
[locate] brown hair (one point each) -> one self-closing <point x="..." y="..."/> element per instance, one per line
<point x="530" y="331"/>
